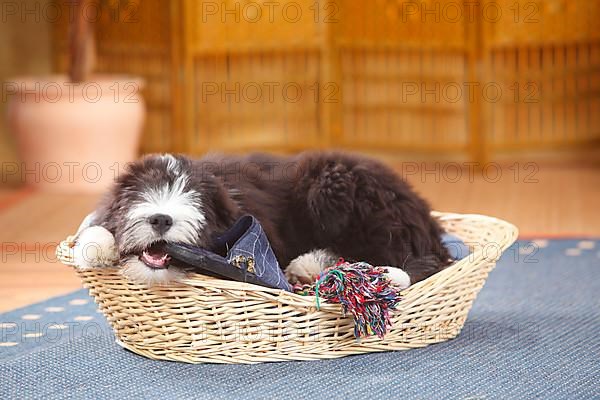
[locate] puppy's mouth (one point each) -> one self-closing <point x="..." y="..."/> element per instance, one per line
<point x="156" y="256"/>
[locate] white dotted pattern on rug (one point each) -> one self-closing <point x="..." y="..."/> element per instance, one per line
<point x="8" y="344"/>
<point x="541" y="243"/>
<point x="54" y="309"/>
<point x="83" y="318"/>
<point x="33" y="335"/>
<point x="7" y="325"/>
<point x="57" y="326"/>
<point x="527" y="249"/>
<point x="78" y="302"/>
<point x="31" y="317"/>
<point x="573" y="252"/>
<point x="586" y="244"/>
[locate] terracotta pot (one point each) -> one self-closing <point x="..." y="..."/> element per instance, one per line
<point x="75" y="137"/>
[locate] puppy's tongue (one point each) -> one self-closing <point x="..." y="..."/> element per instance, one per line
<point x="155" y="257"/>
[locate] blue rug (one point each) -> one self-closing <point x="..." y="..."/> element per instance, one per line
<point x="532" y="333"/>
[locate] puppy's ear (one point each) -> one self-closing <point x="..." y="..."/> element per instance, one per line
<point x="104" y="215"/>
<point x="220" y="209"/>
<point x="113" y="205"/>
<point x="227" y="208"/>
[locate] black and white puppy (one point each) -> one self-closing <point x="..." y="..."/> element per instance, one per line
<point x="314" y="207"/>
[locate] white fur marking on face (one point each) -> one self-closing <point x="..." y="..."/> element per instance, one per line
<point x="184" y="207"/>
<point x="304" y="267"/>
<point x="398" y="277"/>
<point x="138" y="272"/>
<point x="172" y="164"/>
<point x="95" y="247"/>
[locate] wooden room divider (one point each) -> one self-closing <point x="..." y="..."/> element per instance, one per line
<point x="473" y="77"/>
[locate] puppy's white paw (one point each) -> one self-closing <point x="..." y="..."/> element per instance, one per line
<point x="305" y="267"/>
<point x="95" y="247"/>
<point x="398" y="277"/>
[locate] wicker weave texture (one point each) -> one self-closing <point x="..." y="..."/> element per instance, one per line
<point x="218" y="321"/>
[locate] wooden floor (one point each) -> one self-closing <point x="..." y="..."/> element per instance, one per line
<point x="547" y="200"/>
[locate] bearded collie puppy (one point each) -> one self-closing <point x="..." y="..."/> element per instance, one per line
<point x="314" y="207"/>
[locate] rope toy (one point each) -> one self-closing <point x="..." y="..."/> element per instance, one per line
<point x="363" y="290"/>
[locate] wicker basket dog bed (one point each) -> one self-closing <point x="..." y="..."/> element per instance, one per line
<point x="211" y="320"/>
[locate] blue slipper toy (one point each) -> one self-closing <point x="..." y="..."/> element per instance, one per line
<point x="242" y="253"/>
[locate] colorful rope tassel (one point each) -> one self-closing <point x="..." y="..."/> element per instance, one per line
<point x="363" y="290"/>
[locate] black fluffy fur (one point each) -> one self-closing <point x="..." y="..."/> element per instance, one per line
<point x="354" y="206"/>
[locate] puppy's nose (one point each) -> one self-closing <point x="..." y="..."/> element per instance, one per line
<point x="160" y="222"/>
